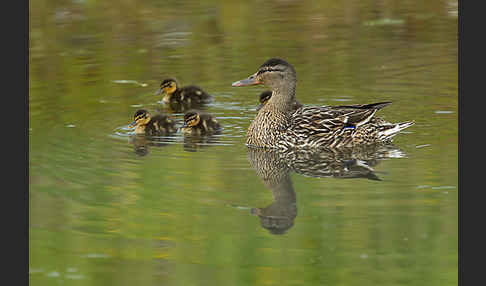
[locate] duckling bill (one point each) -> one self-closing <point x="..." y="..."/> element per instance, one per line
<point x="200" y="123"/>
<point x="190" y="94"/>
<point x="156" y="125"/>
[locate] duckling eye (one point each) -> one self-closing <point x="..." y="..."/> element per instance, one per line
<point x="142" y="116"/>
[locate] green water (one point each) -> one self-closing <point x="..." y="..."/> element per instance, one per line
<point x="105" y="209"/>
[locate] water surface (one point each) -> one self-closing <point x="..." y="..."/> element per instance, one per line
<point x="106" y="208"/>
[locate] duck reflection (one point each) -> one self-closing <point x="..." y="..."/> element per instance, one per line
<point x="279" y="216"/>
<point x="274" y="168"/>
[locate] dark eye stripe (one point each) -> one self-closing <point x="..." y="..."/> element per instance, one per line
<point x="269" y="70"/>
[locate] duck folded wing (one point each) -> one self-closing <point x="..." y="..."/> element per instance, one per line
<point x="325" y="119"/>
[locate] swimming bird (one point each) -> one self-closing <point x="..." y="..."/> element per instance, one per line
<point x="188" y="95"/>
<point x="265" y="96"/>
<point x="277" y="125"/>
<point x="159" y="124"/>
<point x="200" y="123"/>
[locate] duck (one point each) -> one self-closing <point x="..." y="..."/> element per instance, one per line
<point x="265" y="96"/>
<point x="277" y="125"/>
<point x="197" y="122"/>
<point x="187" y="95"/>
<point x="159" y="124"/>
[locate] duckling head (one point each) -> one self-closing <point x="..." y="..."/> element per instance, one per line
<point x="274" y="73"/>
<point x="140" y="119"/>
<point x="191" y="119"/>
<point x="264" y="97"/>
<point x="168" y="86"/>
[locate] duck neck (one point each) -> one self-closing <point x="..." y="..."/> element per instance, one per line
<point x="283" y="97"/>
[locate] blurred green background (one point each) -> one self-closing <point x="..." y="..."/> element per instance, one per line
<point x="101" y="214"/>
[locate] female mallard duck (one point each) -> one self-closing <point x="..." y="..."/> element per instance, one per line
<point x="188" y="95"/>
<point x="277" y="125"/>
<point x="159" y="124"/>
<point x="199" y="123"/>
<point x="265" y="96"/>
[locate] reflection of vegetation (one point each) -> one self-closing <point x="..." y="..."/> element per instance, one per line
<point x="91" y="195"/>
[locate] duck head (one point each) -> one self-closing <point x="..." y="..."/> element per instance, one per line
<point x="281" y="77"/>
<point x="168" y="86"/>
<point x="273" y="73"/>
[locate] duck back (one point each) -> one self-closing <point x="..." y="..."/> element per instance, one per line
<point x="160" y="124"/>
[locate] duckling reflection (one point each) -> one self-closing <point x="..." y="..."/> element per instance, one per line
<point x="274" y="168"/>
<point x="141" y="143"/>
<point x="193" y="143"/>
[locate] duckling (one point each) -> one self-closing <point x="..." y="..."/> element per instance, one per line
<point x="199" y="123"/>
<point x="159" y="124"/>
<point x="188" y="95"/>
<point x="276" y="125"/>
<point x="265" y="96"/>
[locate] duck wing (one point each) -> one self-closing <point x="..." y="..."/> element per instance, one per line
<point x="314" y="126"/>
<point x="327" y="118"/>
<point x="377" y="106"/>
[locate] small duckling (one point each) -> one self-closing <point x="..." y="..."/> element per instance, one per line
<point x="265" y="96"/>
<point x="199" y="123"/>
<point x="159" y="124"/>
<point x="190" y="94"/>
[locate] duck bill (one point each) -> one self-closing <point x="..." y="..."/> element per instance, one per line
<point x="131" y="125"/>
<point x="251" y="80"/>
<point x="159" y="91"/>
<point x="184" y="126"/>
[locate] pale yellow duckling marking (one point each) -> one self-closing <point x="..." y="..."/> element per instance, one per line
<point x="141" y="123"/>
<point x="169" y="91"/>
